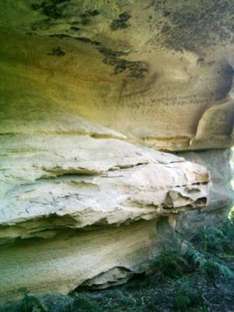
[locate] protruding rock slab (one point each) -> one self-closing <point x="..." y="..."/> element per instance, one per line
<point x="68" y="203"/>
<point x="71" y="192"/>
<point x="78" y="181"/>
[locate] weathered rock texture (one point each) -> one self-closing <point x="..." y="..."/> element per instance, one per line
<point x="54" y="185"/>
<point x="221" y="196"/>
<point x="90" y="182"/>
<point x="159" y="71"/>
<point x="83" y="86"/>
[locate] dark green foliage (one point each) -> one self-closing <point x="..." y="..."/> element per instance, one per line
<point x="85" y="303"/>
<point x="48" y="303"/>
<point x="171" y="263"/>
<point x="31" y="303"/>
<point x="211" y="270"/>
<point x="216" y="240"/>
<point x="188" y="297"/>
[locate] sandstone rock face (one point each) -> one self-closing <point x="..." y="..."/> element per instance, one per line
<point x="87" y="89"/>
<point x="219" y="163"/>
<point x="159" y="71"/>
<point x="102" y="181"/>
<point x="53" y="186"/>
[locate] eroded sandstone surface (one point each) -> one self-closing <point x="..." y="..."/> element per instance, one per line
<point x="91" y="181"/>
<point x="53" y="186"/>
<point x="89" y="91"/>
<point x="159" y="71"/>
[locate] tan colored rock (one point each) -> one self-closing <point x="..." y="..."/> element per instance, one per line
<point x="62" y="263"/>
<point x="220" y="167"/>
<point x="158" y="72"/>
<point x="99" y="181"/>
<point x="80" y="80"/>
<point x="53" y="185"/>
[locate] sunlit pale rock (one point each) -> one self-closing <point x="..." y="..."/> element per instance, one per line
<point x="85" y="86"/>
<point x="54" y="185"/>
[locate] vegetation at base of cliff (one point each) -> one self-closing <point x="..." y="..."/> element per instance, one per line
<point x="195" y="276"/>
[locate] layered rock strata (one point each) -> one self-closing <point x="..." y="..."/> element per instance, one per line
<point x="159" y="71"/>
<point x="76" y="207"/>
<point x="83" y="86"/>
